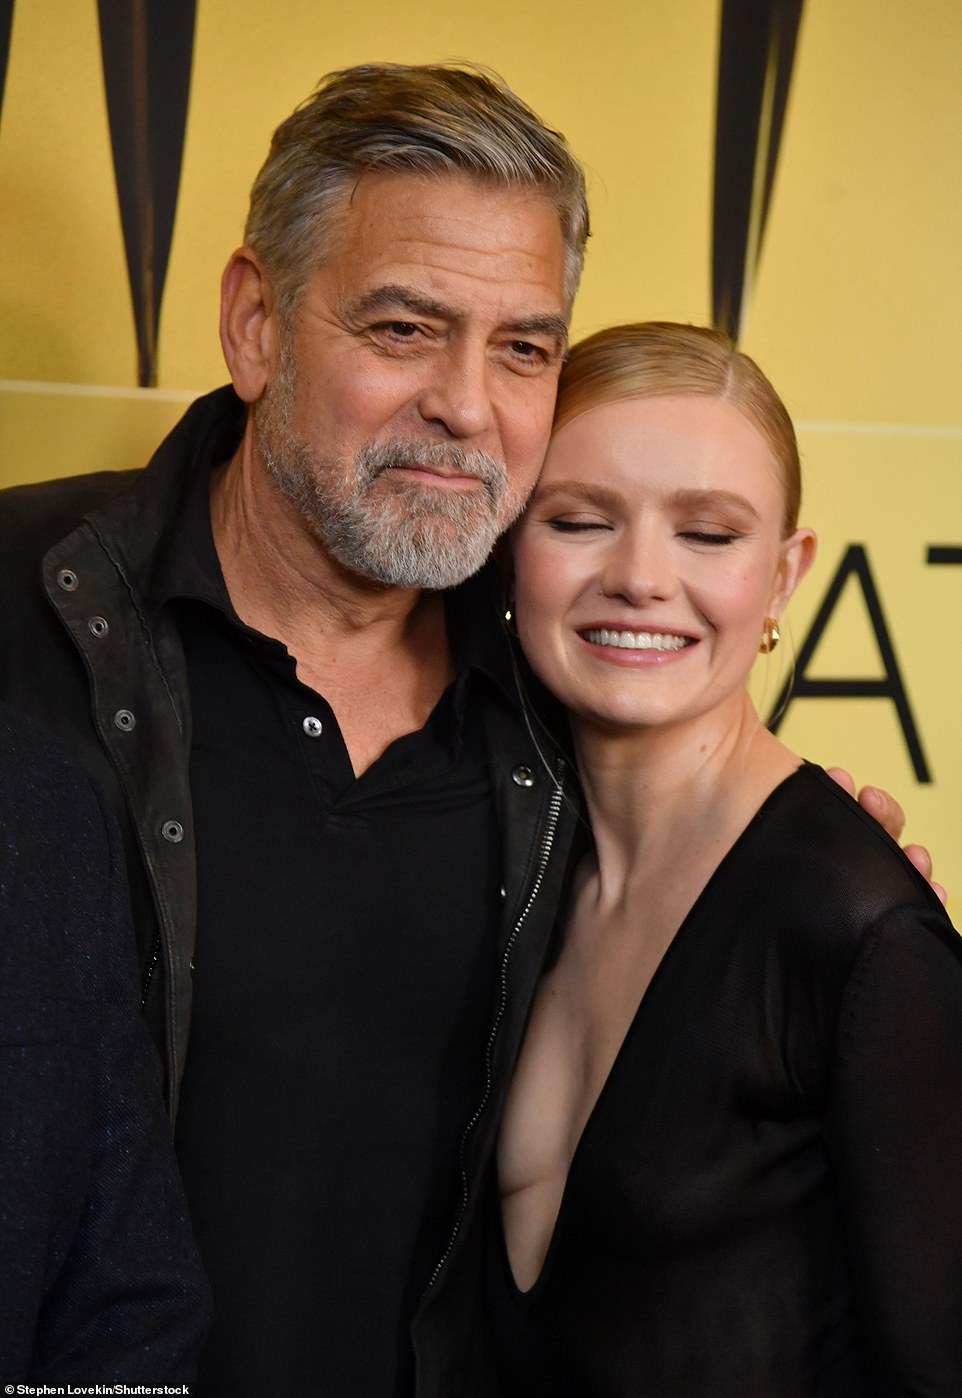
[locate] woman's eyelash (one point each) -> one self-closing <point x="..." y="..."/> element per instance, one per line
<point x="581" y="526"/>
<point x="702" y="536"/>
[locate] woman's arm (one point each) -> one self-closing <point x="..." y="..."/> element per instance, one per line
<point x="894" y="1132"/>
<point x="884" y="808"/>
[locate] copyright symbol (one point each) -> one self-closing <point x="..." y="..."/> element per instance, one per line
<point x="9" y="1388"/>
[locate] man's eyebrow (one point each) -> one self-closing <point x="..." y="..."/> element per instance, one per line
<point x="552" y="325"/>
<point x="394" y="296"/>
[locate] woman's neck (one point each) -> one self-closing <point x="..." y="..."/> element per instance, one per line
<point x="668" y="793"/>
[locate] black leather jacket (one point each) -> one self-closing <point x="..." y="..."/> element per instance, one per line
<point x="85" y="649"/>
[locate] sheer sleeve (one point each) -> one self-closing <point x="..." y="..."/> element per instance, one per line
<point x="894" y="1133"/>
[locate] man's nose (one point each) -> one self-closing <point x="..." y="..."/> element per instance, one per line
<point x="457" y="395"/>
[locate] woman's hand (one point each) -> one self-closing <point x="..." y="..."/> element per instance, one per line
<point x="889" y="814"/>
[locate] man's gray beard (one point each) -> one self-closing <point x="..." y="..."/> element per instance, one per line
<point x="407" y="534"/>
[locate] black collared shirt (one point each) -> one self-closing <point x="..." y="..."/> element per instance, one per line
<point x="342" y="992"/>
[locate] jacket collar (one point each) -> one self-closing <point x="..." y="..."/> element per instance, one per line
<point x="143" y="521"/>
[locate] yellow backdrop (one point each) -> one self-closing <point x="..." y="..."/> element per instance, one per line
<point x="857" y="309"/>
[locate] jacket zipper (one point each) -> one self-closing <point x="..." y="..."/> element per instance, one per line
<point x="149" y="973"/>
<point x="547" y="841"/>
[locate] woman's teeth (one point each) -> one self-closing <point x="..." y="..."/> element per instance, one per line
<point x="637" y="640"/>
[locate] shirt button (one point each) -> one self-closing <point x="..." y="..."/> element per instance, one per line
<point x="523" y="776"/>
<point x="97" y="626"/>
<point x="313" y="727"/>
<point x="124" y="720"/>
<point x="67" y="579"/>
<point x="172" y="831"/>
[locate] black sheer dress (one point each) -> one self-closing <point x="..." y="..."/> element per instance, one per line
<point x="766" y="1201"/>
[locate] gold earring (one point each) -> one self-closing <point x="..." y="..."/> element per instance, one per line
<point x="509" y="621"/>
<point x="770" y="634"/>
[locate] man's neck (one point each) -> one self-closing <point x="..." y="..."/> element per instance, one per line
<point x="378" y="654"/>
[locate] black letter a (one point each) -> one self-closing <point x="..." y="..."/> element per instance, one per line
<point x="891" y="687"/>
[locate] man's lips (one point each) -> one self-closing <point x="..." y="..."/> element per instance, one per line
<point x="438" y="477"/>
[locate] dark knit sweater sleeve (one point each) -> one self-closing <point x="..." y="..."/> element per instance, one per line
<point x="101" y="1281"/>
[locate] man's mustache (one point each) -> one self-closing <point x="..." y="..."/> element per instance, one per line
<point x="377" y="457"/>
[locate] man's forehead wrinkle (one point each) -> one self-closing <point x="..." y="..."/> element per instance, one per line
<point x="453" y="243"/>
<point x="516" y="261"/>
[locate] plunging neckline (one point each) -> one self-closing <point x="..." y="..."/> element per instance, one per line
<point x="681" y="937"/>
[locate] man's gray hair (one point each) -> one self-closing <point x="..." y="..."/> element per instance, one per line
<point x="426" y="119"/>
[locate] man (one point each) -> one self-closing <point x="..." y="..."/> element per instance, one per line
<point x="267" y="647"/>
<point x="101" y="1282"/>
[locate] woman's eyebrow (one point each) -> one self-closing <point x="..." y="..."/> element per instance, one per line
<point x="584" y="491"/>
<point x="705" y="499"/>
<point x="589" y="492"/>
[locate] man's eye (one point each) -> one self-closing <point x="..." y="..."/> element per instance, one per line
<point x="526" y="357"/>
<point x="399" y="336"/>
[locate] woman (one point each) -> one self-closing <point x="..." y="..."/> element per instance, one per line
<point x="731" y="1159"/>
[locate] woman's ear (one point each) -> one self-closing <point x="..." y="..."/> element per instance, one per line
<point x="797" y="556"/>
<point x="248" y="324"/>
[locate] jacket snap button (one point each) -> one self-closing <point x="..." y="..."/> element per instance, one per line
<point x="97" y="626"/>
<point x="313" y="727"/>
<point x="124" y="720"/>
<point x="67" y="579"/>
<point x="172" y="831"/>
<point x="522" y="776"/>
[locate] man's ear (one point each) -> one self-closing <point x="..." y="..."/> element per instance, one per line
<point x="797" y="556"/>
<point x="248" y="324"/>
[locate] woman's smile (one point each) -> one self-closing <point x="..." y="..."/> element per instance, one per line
<point x="649" y="646"/>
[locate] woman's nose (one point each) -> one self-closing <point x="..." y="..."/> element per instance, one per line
<point x="640" y="567"/>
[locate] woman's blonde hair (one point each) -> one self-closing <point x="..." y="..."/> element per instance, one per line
<point x="660" y="358"/>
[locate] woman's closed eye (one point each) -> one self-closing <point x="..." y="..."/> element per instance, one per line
<point x="578" y="526"/>
<point x="712" y="537"/>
